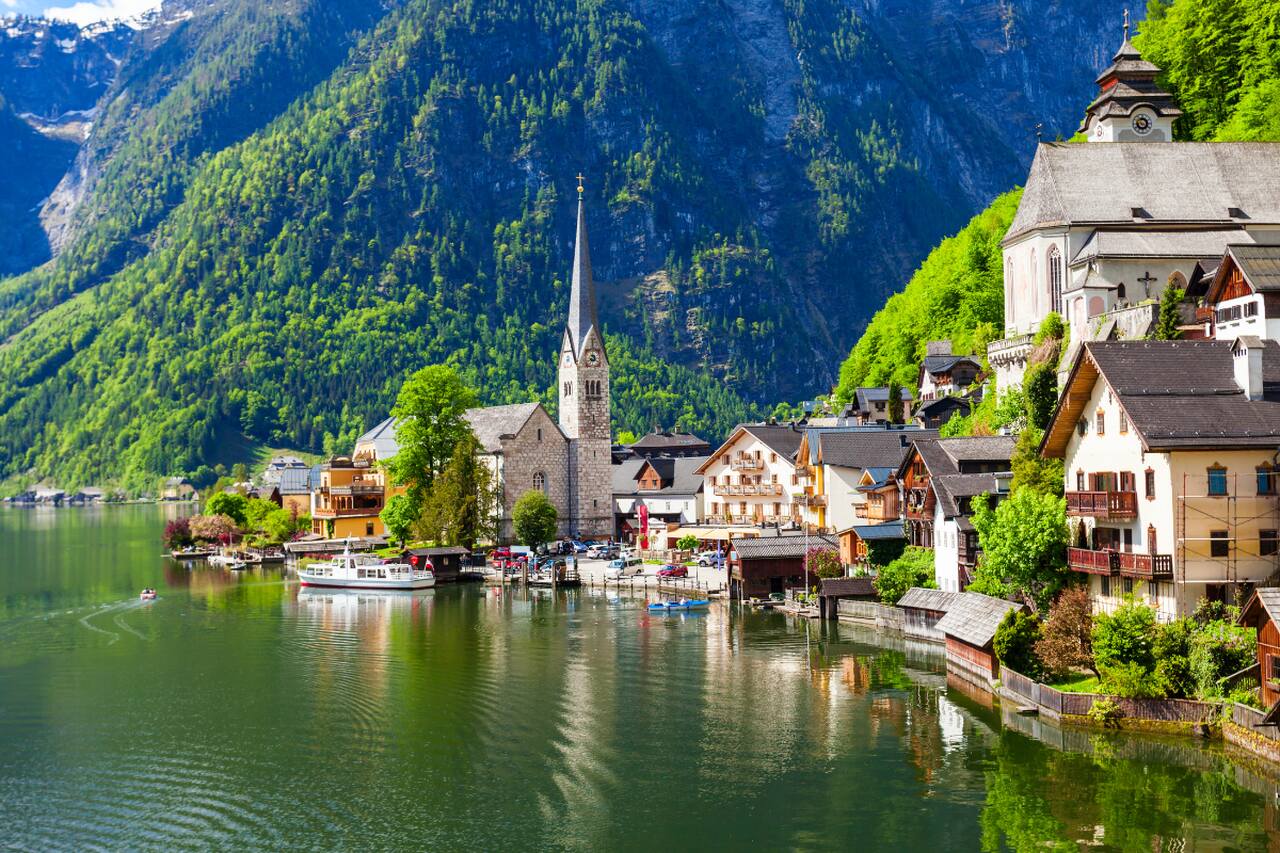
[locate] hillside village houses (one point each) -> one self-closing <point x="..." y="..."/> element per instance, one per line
<point x="1103" y="226"/>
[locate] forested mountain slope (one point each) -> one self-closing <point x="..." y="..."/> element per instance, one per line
<point x="244" y="258"/>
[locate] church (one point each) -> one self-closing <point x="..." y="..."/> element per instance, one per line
<point x="1105" y="225"/>
<point x="568" y="458"/>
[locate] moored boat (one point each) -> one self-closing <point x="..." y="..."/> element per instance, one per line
<point x="192" y="553"/>
<point x="682" y="604"/>
<point x="365" y="571"/>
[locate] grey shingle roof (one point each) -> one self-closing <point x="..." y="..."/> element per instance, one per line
<point x="942" y="405"/>
<point x="951" y="489"/>
<point x="1268" y="598"/>
<point x="878" y="395"/>
<point x="680" y="474"/>
<point x="992" y="448"/>
<point x="1260" y="265"/>
<point x="295" y="481"/>
<point x="493" y="422"/>
<point x="973" y="618"/>
<point x="782" y="439"/>
<point x="1174" y="182"/>
<point x="1184" y="394"/>
<point x="669" y="440"/>
<point x="928" y="599"/>
<point x="836" y="587"/>
<point x="780" y="547"/>
<point x="940" y="363"/>
<point x="861" y="449"/>
<point x="1159" y="244"/>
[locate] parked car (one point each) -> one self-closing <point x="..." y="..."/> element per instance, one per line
<point x="502" y="553"/>
<point x="603" y="551"/>
<point x="711" y="558"/>
<point x="673" y="571"/>
<point x="624" y="567"/>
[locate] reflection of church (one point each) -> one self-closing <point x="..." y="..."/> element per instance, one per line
<point x="568" y="460"/>
<point x="1105" y="225"/>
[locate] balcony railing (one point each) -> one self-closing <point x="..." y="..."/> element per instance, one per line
<point x="347" y="512"/>
<point x="749" y="490"/>
<point x="1092" y="562"/>
<point x="745" y="463"/>
<point x="1111" y="505"/>
<point x="1146" y="566"/>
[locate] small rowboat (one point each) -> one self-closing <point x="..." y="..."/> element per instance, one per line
<point x="685" y="604"/>
<point x="148" y="594"/>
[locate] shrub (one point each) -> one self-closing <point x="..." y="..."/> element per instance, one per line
<point x="1051" y="329"/>
<point x="687" y="543"/>
<point x="1106" y="712"/>
<point x="1217" y="650"/>
<point x="825" y="563"/>
<point x="1041" y="384"/>
<point x="1066" y="642"/>
<point x="1126" y="636"/>
<point x="1131" y="680"/>
<point x="1172" y="651"/>
<point x="1015" y="643"/>
<point x="913" y="568"/>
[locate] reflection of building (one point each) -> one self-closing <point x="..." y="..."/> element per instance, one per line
<point x="1171" y="469"/>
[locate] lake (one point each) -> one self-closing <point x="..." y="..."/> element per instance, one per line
<point x="238" y="711"/>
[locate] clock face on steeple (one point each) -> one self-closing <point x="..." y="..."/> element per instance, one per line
<point x="1141" y="124"/>
<point x="593" y="358"/>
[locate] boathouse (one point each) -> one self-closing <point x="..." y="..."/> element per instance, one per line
<point x="1261" y="613"/>
<point x="771" y="564"/>
<point x="968" y="628"/>
<point x="446" y="562"/>
<point x="834" y="590"/>
<point x="922" y="609"/>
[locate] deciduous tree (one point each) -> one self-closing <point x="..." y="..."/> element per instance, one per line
<point x="1066" y="642"/>
<point x="534" y="518"/>
<point x="1024" y="542"/>
<point x="429" y="424"/>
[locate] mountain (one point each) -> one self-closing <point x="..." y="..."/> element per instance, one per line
<point x="283" y="209"/>
<point x="957" y="292"/>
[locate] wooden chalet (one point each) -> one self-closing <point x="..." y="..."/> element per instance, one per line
<point x="968" y="629"/>
<point x="1262" y="612"/>
<point x="1245" y="293"/>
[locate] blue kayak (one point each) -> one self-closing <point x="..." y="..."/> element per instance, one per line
<point x="680" y="605"/>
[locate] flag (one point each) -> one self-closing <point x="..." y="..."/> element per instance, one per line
<point x="644" y="526"/>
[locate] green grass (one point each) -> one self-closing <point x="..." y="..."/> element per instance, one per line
<point x="1078" y="683"/>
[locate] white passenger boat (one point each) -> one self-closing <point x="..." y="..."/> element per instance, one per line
<point x="365" y="571"/>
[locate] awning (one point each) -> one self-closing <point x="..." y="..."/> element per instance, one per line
<point x="723" y="534"/>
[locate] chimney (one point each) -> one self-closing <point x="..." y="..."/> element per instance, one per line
<point x="937" y="348"/>
<point x="1246" y="355"/>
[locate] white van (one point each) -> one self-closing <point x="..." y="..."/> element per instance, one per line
<point x="625" y="566"/>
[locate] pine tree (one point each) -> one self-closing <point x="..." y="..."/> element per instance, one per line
<point x="1170" y="314"/>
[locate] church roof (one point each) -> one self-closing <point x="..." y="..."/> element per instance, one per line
<point x="1159" y="244"/>
<point x="492" y="422"/>
<point x="582" y="295"/>
<point x="1141" y="183"/>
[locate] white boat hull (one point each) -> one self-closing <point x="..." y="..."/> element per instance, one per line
<point x="417" y="582"/>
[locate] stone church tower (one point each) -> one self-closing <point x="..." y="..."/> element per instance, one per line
<point x="584" y="400"/>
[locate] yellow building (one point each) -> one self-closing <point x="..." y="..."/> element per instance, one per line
<point x="349" y="497"/>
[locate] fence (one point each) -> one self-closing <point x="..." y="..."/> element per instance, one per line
<point x="1059" y="703"/>
<point x="880" y="615"/>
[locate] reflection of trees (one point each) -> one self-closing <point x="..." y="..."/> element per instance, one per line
<point x="1039" y="799"/>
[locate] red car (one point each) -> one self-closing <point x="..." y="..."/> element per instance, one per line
<point x="673" y="571"/>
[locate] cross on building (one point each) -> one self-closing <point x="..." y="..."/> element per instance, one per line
<point x="1147" y="278"/>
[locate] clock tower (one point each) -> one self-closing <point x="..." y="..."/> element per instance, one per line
<point x="584" y="399"/>
<point x="1131" y="106"/>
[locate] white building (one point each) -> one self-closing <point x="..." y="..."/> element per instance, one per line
<point x="752" y="477"/>
<point x="1245" y="293"/>
<point x="1171" y="453"/>
<point x="670" y="489"/>
<point x="1103" y="227"/>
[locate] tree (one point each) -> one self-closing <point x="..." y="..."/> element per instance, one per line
<point x="212" y="528"/>
<point x="1015" y="643"/>
<point x="240" y="472"/>
<point x="1066" y="642"/>
<point x="230" y="504"/>
<point x="894" y="415"/>
<point x="177" y="533"/>
<point x="1170" y="314"/>
<point x="399" y="516"/>
<point x="1024" y="542"/>
<point x="1041" y="389"/>
<point x="429" y="424"/>
<point x="282" y="524"/>
<point x="913" y="568"/>
<point x="626" y="436"/>
<point x="1125" y="636"/>
<point x="1031" y="470"/>
<point x="687" y="543"/>
<point x="825" y="563"/>
<point x="534" y="518"/>
<point x="461" y="507"/>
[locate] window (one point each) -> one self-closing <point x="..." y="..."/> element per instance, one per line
<point x="1102" y="422"/>
<point x="1079" y="481"/>
<point x="1124" y="423"/>
<point x="1126" y="586"/>
<point x="540" y="481"/>
<point x="368" y="528"/>
<point x="1104" y="584"/>
<point x="1082" y="427"/>
<point x="1120" y="290"/>
<point x="795" y="480"/>
<point x="539" y="433"/>
<point x="1267" y="480"/>
<point x="1055" y="280"/>
<point x="773" y="478"/>
<point x="1150" y="477"/>
<point x="568" y="389"/>
<point x="1217" y="481"/>
<point x="773" y="457"/>
<point x="1267" y="543"/>
<point x="1126" y="482"/>
<point x="1251" y="309"/>
<point x="1219" y="544"/>
<point x="1274" y="661"/>
<point x="1152" y="548"/>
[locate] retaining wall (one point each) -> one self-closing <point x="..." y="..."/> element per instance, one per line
<point x="871" y="613"/>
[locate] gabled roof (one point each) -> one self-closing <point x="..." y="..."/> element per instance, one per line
<point x="1176" y="394"/>
<point x="875" y="478"/>
<point x="1260" y="266"/>
<point x="863" y="449"/>
<point x="952" y="489"/>
<point x="492" y="422"/>
<point x="973" y="618"/>
<point x="295" y="481"/>
<point x="928" y="599"/>
<point x="1159" y="244"/>
<point x="940" y="405"/>
<point x="1265" y="601"/>
<point x="1183" y="182"/>
<point x="782" y="439"/>
<point x="790" y="546"/>
<point x="382" y="438"/>
<point x="866" y="396"/>
<point x="680" y="475"/>
<point x="943" y="363"/>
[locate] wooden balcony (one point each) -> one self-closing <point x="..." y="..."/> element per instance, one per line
<point x="749" y="490"/>
<point x="745" y="463"/>
<point x="347" y="512"/>
<point x="1108" y="505"/>
<point x="1152" y="567"/>
<point x="1093" y="562"/>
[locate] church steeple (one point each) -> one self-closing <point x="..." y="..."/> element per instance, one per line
<point x="1131" y="106"/>
<point x="582" y="295"/>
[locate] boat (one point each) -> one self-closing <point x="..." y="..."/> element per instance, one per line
<point x="681" y="604"/>
<point x="192" y="554"/>
<point x="148" y="594"/>
<point x="229" y="561"/>
<point x="271" y="555"/>
<point x="365" y="571"/>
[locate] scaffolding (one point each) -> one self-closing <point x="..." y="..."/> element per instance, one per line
<point x="1231" y="510"/>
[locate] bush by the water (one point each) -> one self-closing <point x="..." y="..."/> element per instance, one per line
<point x="913" y="568"/>
<point x="1015" y="643"/>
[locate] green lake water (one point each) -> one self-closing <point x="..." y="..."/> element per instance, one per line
<point x="238" y="712"/>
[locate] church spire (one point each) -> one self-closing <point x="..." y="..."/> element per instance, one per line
<point x="582" y="296"/>
<point x="1131" y="105"/>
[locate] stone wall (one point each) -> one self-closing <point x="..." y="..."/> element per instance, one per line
<point x="539" y="447"/>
